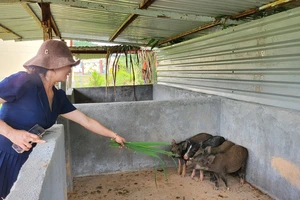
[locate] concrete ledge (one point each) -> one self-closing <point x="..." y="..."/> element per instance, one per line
<point x="112" y="94"/>
<point x="43" y="176"/>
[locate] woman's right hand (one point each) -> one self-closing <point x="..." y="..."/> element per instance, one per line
<point x="24" y="139"/>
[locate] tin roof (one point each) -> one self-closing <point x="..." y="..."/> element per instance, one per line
<point x="134" y="22"/>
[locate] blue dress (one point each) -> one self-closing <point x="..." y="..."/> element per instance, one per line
<point x="26" y="105"/>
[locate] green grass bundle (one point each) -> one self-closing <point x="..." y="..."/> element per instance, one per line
<point x="148" y="148"/>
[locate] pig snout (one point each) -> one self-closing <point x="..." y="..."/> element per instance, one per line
<point x="191" y="150"/>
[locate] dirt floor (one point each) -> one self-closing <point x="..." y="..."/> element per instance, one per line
<point x="141" y="186"/>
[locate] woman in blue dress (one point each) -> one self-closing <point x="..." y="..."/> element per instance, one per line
<point x="30" y="98"/>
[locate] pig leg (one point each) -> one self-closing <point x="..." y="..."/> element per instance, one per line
<point x="193" y="173"/>
<point x="212" y="176"/>
<point x="183" y="169"/>
<point x="179" y="166"/>
<point x="201" y="176"/>
<point x="223" y="177"/>
<point x="242" y="178"/>
<point x="216" y="181"/>
<point x="241" y="173"/>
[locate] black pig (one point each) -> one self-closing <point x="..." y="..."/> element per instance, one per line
<point x="181" y="147"/>
<point x="232" y="160"/>
<point x="213" y="142"/>
<point x="219" y="149"/>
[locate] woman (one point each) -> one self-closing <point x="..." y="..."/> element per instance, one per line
<point x="30" y="98"/>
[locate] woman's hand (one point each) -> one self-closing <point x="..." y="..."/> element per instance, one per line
<point x="119" y="139"/>
<point x="24" y="139"/>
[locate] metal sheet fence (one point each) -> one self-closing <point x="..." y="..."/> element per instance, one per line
<point x="258" y="62"/>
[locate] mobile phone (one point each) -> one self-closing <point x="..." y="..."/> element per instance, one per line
<point x="36" y="129"/>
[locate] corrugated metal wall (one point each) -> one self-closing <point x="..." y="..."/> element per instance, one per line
<point x="258" y="61"/>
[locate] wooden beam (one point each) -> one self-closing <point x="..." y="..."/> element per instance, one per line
<point x="275" y="3"/>
<point x="37" y="20"/>
<point x="130" y="19"/>
<point x="206" y="26"/>
<point x="7" y="30"/>
<point x="55" y="28"/>
<point x="32" y="14"/>
<point x="218" y="22"/>
<point x="100" y="50"/>
<point x="88" y="50"/>
<point x="146" y="4"/>
<point x="264" y="7"/>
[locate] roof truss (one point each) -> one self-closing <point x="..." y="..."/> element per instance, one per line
<point x="47" y="23"/>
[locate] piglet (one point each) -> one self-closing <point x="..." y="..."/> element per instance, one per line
<point x="232" y="160"/>
<point x="181" y="148"/>
<point x="219" y="149"/>
<point x="213" y="142"/>
<point x="193" y="147"/>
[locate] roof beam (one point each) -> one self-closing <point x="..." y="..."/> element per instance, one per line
<point x="264" y="7"/>
<point x="206" y="26"/>
<point x="222" y="21"/>
<point x="32" y="14"/>
<point x="54" y="26"/>
<point x="9" y="31"/>
<point x="125" y="10"/>
<point x="88" y="50"/>
<point x="130" y="19"/>
<point x="37" y="20"/>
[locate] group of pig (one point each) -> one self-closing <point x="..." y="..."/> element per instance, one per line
<point x="213" y="154"/>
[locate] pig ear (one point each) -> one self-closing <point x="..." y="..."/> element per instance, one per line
<point x="210" y="159"/>
<point x="173" y="142"/>
<point x="207" y="150"/>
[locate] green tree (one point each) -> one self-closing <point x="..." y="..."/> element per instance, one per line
<point x="125" y="73"/>
<point x="96" y="79"/>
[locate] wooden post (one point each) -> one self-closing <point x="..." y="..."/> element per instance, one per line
<point x="46" y="21"/>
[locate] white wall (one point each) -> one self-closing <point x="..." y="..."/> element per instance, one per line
<point x="14" y="54"/>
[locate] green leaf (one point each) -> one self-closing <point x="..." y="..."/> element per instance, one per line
<point x="148" y="149"/>
<point x="150" y="143"/>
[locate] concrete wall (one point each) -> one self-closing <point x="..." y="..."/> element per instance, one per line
<point x="271" y="135"/>
<point x="43" y="176"/>
<point x="138" y="121"/>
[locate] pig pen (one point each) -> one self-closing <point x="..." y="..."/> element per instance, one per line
<point x="97" y="171"/>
